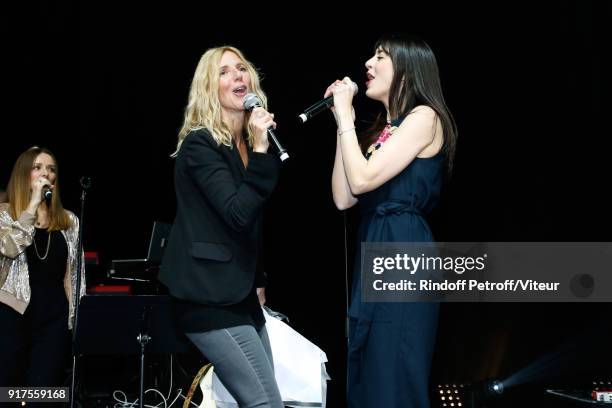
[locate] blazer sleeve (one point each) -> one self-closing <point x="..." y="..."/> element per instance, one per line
<point x="261" y="277"/>
<point x="239" y="205"/>
<point x="15" y="236"/>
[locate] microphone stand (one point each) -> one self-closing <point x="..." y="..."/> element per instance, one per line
<point x="346" y="281"/>
<point x="85" y="185"/>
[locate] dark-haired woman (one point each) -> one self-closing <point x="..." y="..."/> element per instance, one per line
<point x="395" y="172"/>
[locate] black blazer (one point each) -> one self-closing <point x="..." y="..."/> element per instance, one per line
<point x="214" y="245"/>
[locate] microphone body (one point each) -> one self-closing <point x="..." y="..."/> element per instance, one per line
<point x="251" y="101"/>
<point x="47" y="193"/>
<point x="322" y="105"/>
<point x="317" y="108"/>
<point x="282" y="152"/>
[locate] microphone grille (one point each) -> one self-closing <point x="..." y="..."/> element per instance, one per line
<point x="251" y="101"/>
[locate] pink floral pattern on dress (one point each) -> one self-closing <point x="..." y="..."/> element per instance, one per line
<point x="384" y="135"/>
<point x="382" y="138"/>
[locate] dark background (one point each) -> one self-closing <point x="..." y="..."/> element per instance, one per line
<point x="105" y="87"/>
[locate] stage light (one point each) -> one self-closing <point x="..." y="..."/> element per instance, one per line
<point x="481" y="392"/>
<point x="451" y="395"/>
<point x="497" y="387"/>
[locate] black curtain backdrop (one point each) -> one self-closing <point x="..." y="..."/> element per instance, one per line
<point x="105" y="87"/>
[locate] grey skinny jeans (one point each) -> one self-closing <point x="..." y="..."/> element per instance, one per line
<point x="242" y="359"/>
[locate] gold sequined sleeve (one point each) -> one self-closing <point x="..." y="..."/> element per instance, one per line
<point x="15" y="236"/>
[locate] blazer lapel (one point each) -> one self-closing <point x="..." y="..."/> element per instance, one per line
<point x="237" y="160"/>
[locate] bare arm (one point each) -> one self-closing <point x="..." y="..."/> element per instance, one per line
<point x="413" y="136"/>
<point x="341" y="192"/>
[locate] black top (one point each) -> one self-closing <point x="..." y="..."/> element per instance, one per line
<point x="48" y="297"/>
<point x="212" y="262"/>
<point x="195" y="318"/>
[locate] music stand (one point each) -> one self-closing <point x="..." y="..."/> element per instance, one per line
<point x="128" y="325"/>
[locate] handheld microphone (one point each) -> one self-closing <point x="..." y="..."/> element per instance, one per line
<point x="47" y="193"/>
<point x="322" y="105"/>
<point x="251" y="101"/>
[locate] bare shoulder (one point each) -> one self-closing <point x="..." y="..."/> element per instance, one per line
<point x="421" y="120"/>
<point x="423" y="111"/>
<point x="431" y="126"/>
<point x="420" y="117"/>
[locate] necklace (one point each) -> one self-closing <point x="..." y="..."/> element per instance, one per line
<point x="48" y="245"/>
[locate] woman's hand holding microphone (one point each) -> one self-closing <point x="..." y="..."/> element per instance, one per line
<point x="259" y="123"/>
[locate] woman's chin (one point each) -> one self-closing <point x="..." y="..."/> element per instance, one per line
<point x="372" y="95"/>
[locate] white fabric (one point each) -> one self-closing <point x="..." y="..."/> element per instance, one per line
<point x="299" y="368"/>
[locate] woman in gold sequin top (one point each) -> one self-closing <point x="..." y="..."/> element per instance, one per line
<point x="38" y="266"/>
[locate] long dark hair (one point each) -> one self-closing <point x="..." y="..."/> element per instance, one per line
<point x="415" y="63"/>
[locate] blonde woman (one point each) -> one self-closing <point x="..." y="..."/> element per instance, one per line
<point x="38" y="267"/>
<point x="212" y="265"/>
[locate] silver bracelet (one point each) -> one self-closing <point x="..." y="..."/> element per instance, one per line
<point x="340" y="132"/>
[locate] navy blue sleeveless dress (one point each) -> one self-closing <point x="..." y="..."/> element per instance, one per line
<point x="391" y="344"/>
